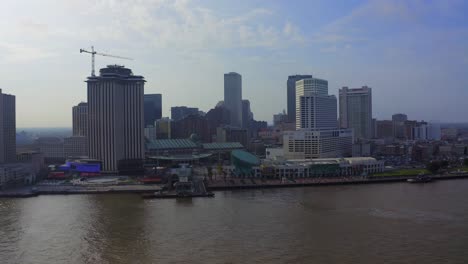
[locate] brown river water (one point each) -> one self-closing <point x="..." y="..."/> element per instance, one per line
<point x="380" y="223"/>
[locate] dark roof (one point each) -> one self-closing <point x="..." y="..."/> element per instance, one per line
<point x="171" y="144"/>
<point x="222" y="145"/>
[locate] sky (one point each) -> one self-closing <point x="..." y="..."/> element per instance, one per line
<point x="412" y="53"/>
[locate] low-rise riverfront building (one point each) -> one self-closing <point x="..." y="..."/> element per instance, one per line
<point x="319" y="168"/>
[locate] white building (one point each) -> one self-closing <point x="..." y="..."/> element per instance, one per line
<point x="316" y="135"/>
<point x="312" y="144"/>
<point x="115" y="117"/>
<point x="315" y="109"/>
<point x="356" y="111"/>
<point x="233" y="97"/>
<point x="328" y="167"/>
<point x="7" y="128"/>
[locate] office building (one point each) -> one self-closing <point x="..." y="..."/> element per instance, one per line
<point x="80" y="119"/>
<point x="51" y="148"/>
<point x="7" y="128"/>
<point x="150" y="133"/>
<point x="313" y="144"/>
<point x="164" y="128"/>
<point x="433" y="131"/>
<point x="75" y="146"/>
<point x="191" y="125"/>
<point x="233" y="97"/>
<point x="116" y="118"/>
<point x="247" y="115"/>
<point x="317" y="134"/>
<point x="291" y="95"/>
<point x="153" y="108"/>
<point x="398" y="125"/>
<point x="280" y="118"/>
<point x="181" y="112"/>
<point x="315" y="109"/>
<point x="356" y="111"/>
<point x="384" y="128"/>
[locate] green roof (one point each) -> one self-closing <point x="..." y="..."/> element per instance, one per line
<point x="244" y="157"/>
<point x="222" y="145"/>
<point x="171" y="144"/>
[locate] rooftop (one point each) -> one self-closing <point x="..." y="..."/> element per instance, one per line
<point x="222" y="145"/>
<point x="171" y="144"/>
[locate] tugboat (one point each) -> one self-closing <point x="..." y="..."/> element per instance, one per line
<point x="422" y="178"/>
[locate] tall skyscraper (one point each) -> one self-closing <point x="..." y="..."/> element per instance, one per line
<point x="233" y="97"/>
<point x="291" y="95"/>
<point x="80" y="119"/>
<point x="7" y="128"/>
<point x="153" y="108"/>
<point x="115" y="117"/>
<point x="315" y="109"/>
<point x="356" y="110"/>
<point x="316" y="135"/>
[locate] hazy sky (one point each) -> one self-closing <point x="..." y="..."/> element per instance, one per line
<point x="414" y="54"/>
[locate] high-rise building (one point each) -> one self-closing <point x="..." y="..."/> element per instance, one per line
<point x="7" y="128"/>
<point x="315" y="109"/>
<point x="181" y="112"/>
<point x="247" y="115"/>
<point x="80" y="119"/>
<point x="433" y="131"/>
<point x="317" y="134"/>
<point x="233" y="97"/>
<point x="384" y="128"/>
<point x="356" y="111"/>
<point x="291" y="94"/>
<point x="153" y="108"/>
<point x="115" y="117"/>
<point x="398" y="125"/>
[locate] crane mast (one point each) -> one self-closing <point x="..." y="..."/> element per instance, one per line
<point x="93" y="53"/>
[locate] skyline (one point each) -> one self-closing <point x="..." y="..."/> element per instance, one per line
<point x="183" y="48"/>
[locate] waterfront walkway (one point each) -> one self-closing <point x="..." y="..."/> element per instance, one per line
<point x="212" y="185"/>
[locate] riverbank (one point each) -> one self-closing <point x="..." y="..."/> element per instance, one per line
<point x="253" y="184"/>
<point x="216" y="185"/>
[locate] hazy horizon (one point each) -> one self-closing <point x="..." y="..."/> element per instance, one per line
<point x="413" y="54"/>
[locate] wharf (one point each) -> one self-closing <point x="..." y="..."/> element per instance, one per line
<point x="241" y="184"/>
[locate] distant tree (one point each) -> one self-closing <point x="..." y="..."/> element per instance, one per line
<point x="465" y="162"/>
<point x="444" y="164"/>
<point x="433" y="167"/>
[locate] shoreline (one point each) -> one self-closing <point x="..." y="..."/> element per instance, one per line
<point x="220" y="186"/>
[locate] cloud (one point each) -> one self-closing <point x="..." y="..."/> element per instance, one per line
<point x="19" y="53"/>
<point x="181" y="24"/>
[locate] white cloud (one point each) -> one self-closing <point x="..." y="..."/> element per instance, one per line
<point x="19" y="53"/>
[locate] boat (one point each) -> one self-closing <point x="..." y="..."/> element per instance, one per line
<point x="420" y="179"/>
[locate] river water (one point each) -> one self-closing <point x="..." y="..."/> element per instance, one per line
<point x="381" y="223"/>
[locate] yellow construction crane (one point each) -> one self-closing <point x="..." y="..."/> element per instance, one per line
<point x="93" y="52"/>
